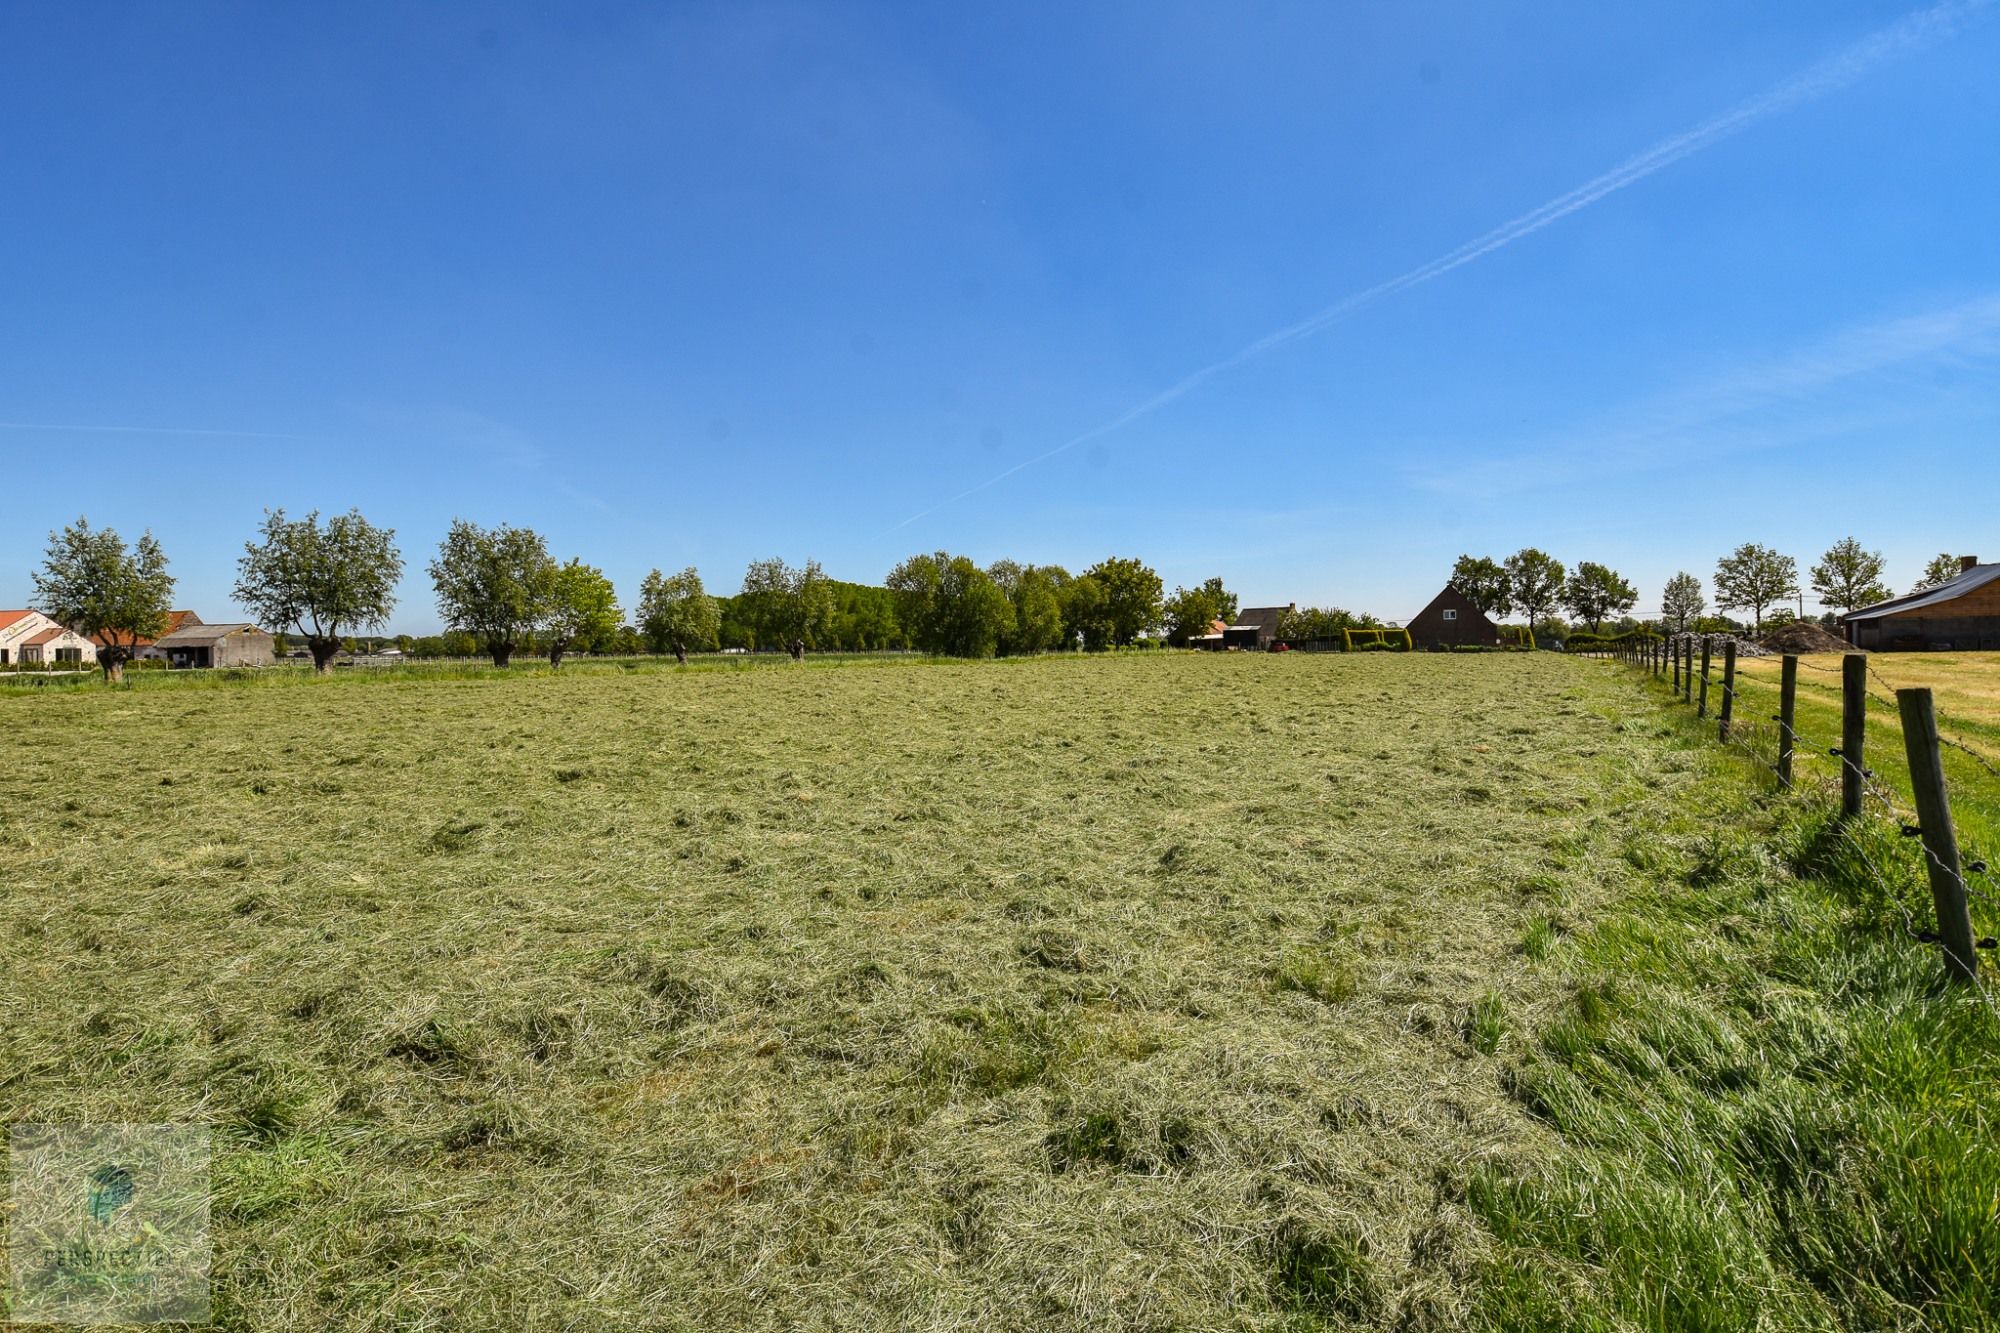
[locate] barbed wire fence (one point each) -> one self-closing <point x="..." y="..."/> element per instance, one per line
<point x="1958" y="874"/>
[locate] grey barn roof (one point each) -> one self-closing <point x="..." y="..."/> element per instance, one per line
<point x="197" y="636"/>
<point x="1948" y="591"/>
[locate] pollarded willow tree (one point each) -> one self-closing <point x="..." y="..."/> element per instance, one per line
<point x="322" y="583"/>
<point x="579" y="609"/>
<point x="91" y="582"/>
<point x="491" y="583"/>
<point x="677" y="613"/>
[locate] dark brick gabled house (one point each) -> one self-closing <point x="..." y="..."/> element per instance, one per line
<point x="1257" y="627"/>
<point x="1450" y="621"/>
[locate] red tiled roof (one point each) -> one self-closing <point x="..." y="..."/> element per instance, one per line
<point x="10" y="617"/>
<point x="175" y="619"/>
<point x="46" y="636"/>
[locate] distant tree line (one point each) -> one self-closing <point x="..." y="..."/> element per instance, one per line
<point x="325" y="585"/>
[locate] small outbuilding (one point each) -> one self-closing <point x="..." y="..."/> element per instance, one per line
<point x="217" y="646"/>
<point x="1961" y="614"/>
<point x="1452" y="620"/>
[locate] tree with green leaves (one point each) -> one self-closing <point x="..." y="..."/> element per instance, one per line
<point x="93" y="583"/>
<point x="579" y="610"/>
<point x="491" y="584"/>
<point x="1191" y="611"/>
<point x="1085" y="613"/>
<point x="1849" y="576"/>
<point x="1309" y="623"/>
<point x="1682" y="602"/>
<point x="1484" y="583"/>
<point x="784" y="605"/>
<point x="1534" y="584"/>
<point x="676" y="613"/>
<point x="1036" y="592"/>
<point x="950" y="606"/>
<point x="1596" y="593"/>
<point x="1942" y="569"/>
<point x="1751" y="578"/>
<point x="323" y="583"/>
<point x="1131" y="597"/>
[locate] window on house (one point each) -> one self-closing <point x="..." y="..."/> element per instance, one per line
<point x="1451" y="614"/>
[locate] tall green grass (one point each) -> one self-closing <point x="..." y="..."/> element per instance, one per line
<point x="1775" y="1113"/>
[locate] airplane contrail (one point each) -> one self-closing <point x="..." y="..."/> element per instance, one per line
<point x="149" y="430"/>
<point x="1912" y="32"/>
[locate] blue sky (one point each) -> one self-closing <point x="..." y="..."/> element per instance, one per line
<point x="697" y="285"/>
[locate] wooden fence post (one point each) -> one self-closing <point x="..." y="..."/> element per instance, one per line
<point x="1687" y="672"/>
<point x="1788" y="704"/>
<point x="1728" y="686"/>
<point x="1677" y="667"/>
<point x="1853" y="732"/>
<point x="1920" y="738"/>
<point x="1701" y="707"/>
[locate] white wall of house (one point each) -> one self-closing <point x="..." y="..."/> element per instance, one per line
<point x="15" y="648"/>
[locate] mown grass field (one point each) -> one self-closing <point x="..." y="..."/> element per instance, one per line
<point x="1189" y="991"/>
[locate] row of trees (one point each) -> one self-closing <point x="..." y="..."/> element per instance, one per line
<point x="1752" y="578"/>
<point x="322" y="584"/>
<point x="947" y="604"/>
<point x="1535" y="583"/>
<point x="1755" y="578"/>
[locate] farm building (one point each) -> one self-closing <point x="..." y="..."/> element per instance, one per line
<point x="1257" y="627"/>
<point x="1451" y="621"/>
<point x="148" y="647"/>
<point x="216" y="646"/>
<point x="1961" y="613"/>
<point x="31" y="637"/>
<point x="1213" y="640"/>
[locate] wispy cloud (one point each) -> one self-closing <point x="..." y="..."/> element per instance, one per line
<point x="1800" y="396"/>
<point x="1913" y="32"/>
<point x="147" y="430"/>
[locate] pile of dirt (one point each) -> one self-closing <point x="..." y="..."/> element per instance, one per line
<point x="1802" y="636"/>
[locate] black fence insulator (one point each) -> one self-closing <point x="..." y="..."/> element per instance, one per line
<point x="1989" y="943"/>
<point x="1977" y="867"/>
<point x="1927" y="937"/>
<point x="1911" y="830"/>
<point x="1833" y="750"/>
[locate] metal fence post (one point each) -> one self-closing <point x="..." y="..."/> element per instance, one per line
<point x="1920" y="738"/>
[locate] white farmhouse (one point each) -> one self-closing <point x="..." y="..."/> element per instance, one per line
<point x="31" y="637"/>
